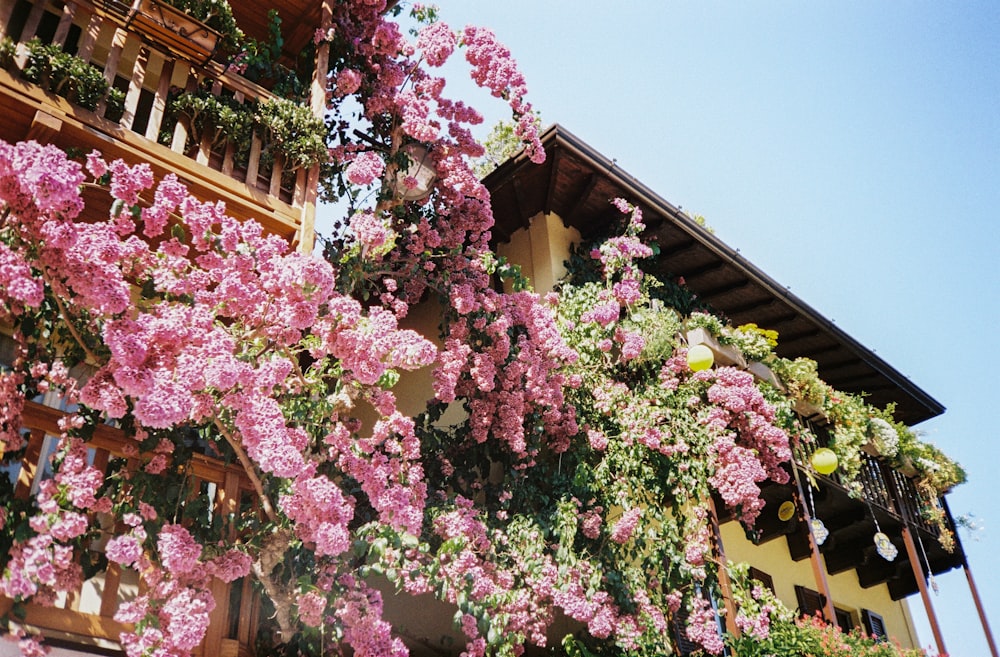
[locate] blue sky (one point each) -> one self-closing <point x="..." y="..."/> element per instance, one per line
<point x="850" y="149"/>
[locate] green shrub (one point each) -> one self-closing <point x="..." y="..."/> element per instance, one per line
<point x="292" y="130"/>
<point x="65" y="75"/>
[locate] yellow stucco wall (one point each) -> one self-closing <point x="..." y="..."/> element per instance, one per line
<point x="773" y="558"/>
<point x="541" y="249"/>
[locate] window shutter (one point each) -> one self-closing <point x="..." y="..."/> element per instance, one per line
<point x="844" y="619"/>
<point x="684" y="644"/>
<point x="874" y="624"/>
<point x="766" y="580"/>
<point x="810" y="601"/>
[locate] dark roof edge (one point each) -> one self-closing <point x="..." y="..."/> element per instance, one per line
<point x="556" y="134"/>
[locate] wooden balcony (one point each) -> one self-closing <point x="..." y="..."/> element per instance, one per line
<point x="85" y="617"/>
<point x="889" y="501"/>
<point x="147" y="70"/>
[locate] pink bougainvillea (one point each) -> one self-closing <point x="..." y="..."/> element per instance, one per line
<point x="556" y="463"/>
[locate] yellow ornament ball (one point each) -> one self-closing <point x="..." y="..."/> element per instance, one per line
<point x="786" y="511"/>
<point x="824" y="460"/>
<point x="700" y="358"/>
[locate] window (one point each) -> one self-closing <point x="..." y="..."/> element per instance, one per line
<point x="874" y="624"/>
<point x="760" y="576"/>
<point x="810" y="602"/>
<point x="845" y="620"/>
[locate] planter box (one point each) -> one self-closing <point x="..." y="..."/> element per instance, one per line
<point x="764" y="373"/>
<point x="724" y="355"/>
<point x="906" y="467"/>
<point x="173" y="29"/>
<point x="870" y="449"/>
<point x="807" y="410"/>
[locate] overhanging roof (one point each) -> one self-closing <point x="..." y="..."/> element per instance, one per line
<point x="576" y="183"/>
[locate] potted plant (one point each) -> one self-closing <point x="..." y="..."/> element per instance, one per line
<point x="800" y="377"/>
<point x="709" y="330"/>
<point x="194" y="29"/>
<point x="220" y="118"/>
<point x="8" y="50"/>
<point x="72" y="78"/>
<point x="291" y="129"/>
<point x="883" y="438"/>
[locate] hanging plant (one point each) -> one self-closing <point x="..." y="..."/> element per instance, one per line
<point x="292" y="130"/>
<point x="220" y="118"/>
<point x="216" y="14"/>
<point x="65" y="75"/>
<point x="801" y="379"/>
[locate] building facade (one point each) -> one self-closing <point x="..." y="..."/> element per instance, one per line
<point x="541" y="211"/>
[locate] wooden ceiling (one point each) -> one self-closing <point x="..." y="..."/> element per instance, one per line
<point x="299" y="20"/>
<point x="576" y="183"/>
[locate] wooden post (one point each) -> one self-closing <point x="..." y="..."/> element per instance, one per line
<point x="89" y="38"/>
<point x="65" y="20"/>
<point x="972" y="585"/>
<point x="979" y="607"/>
<point x="724" y="582"/>
<point x="6" y="10"/>
<point x="160" y="100"/>
<point x="815" y="558"/>
<point x="307" y="218"/>
<point x="135" y="88"/>
<point x="918" y="573"/>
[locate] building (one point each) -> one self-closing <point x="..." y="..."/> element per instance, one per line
<point x="143" y="55"/>
<point x="540" y="211"/>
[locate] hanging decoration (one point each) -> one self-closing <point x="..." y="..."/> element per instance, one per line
<point x="883" y="544"/>
<point x="927" y="565"/>
<point x="884" y="547"/>
<point x="700" y="357"/>
<point x="786" y="511"/>
<point x="824" y="460"/>
<point x="819" y="531"/>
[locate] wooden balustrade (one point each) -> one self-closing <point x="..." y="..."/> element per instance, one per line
<point x="86" y="615"/>
<point x="148" y="73"/>
<point x="882" y="486"/>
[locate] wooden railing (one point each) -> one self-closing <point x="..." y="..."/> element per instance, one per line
<point x="148" y="73"/>
<point x="882" y="486"/>
<point x="86" y="614"/>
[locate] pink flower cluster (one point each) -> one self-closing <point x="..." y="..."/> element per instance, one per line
<point x="703" y="627"/>
<point x="624" y="527"/>
<point x="495" y="69"/>
<point x="173" y="613"/>
<point x="748" y="447"/>
<point x="437" y="42"/>
<point x="509" y="379"/>
<point x="366" y="168"/>
<point x="321" y="514"/>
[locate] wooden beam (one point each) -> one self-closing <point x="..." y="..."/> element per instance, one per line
<point x="815" y="558"/>
<point x="724" y="582"/>
<point x="44" y="127"/>
<point x="918" y="574"/>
